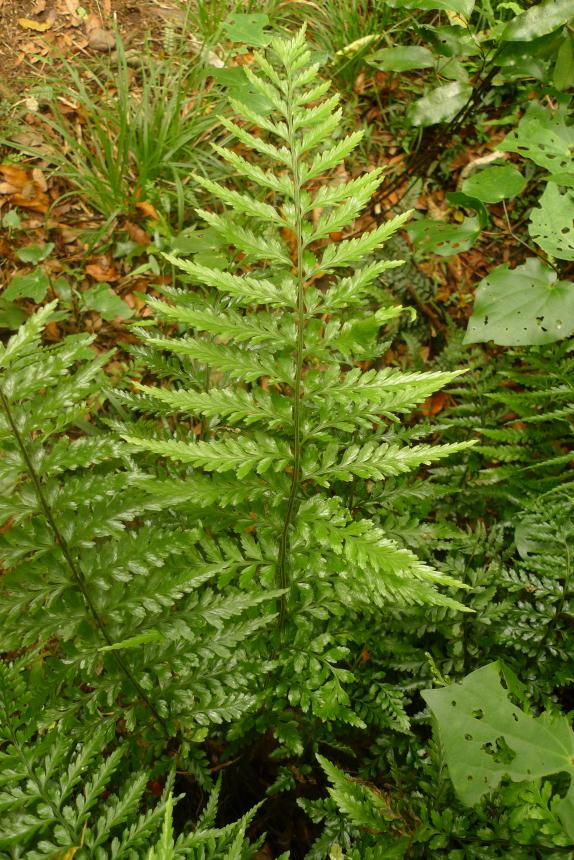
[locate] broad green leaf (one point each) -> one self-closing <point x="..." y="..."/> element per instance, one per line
<point x="103" y="300"/>
<point x="540" y="19"/>
<point x="402" y="59"/>
<point x="441" y="238"/>
<point x="35" y="253"/>
<point x="565" y="179"/>
<point x="563" y="77"/>
<point x="544" y="138"/>
<point x="235" y="81"/>
<point x="11" y="220"/>
<point x="495" y="183"/>
<point x="247" y="27"/>
<point x="441" y="104"/>
<point x="529" y="59"/>
<point x="522" y="307"/>
<point x="450" y="41"/>
<point x="552" y="222"/>
<point x="11" y="316"/>
<point x="461" y="7"/>
<point x="34" y="286"/>
<point x="459" y="199"/>
<point x="486" y="737"/>
<point x="452" y="68"/>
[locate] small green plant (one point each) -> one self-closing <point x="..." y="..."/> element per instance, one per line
<point x="138" y="130"/>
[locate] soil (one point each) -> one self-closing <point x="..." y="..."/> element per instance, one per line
<point x="33" y="30"/>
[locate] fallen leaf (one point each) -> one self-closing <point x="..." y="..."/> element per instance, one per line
<point x="38" y="26"/>
<point x="101" y="40"/>
<point x="39" y="179"/>
<point x="52" y="332"/>
<point x="15" y="176"/>
<point x="38" y="7"/>
<point x="102" y="272"/>
<point x="146" y="207"/>
<point x="136" y="233"/>
<point x="435" y="403"/>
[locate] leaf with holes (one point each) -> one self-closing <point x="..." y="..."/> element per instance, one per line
<point x="248" y="28"/>
<point x="552" y="222"/>
<point x="441" y="104"/>
<point x="544" y="138"/>
<point x="525" y="306"/>
<point x="441" y="238"/>
<point x="495" y="183"/>
<point x="486" y="737"/>
<point x="102" y="299"/>
<point x="33" y="285"/>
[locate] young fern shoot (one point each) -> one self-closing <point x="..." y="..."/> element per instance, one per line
<point x="291" y="426"/>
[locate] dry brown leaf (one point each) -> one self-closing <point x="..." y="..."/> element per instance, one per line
<point x="38" y="7"/>
<point x="38" y="26"/>
<point x="52" y="332"/>
<point x="146" y="207"/>
<point x="39" y="179"/>
<point x="15" y="176"/>
<point x="103" y="273"/>
<point x="136" y="233"/>
<point x="435" y="403"/>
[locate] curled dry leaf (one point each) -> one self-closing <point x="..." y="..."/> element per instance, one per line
<point x="102" y="272"/>
<point x="146" y="207"/>
<point x="38" y="26"/>
<point x="22" y="189"/>
<point x="136" y="233"/>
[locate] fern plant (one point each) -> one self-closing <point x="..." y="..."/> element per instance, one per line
<point x="94" y="568"/>
<point x="287" y="409"/>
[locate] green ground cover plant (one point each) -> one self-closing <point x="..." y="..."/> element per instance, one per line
<point x="248" y="573"/>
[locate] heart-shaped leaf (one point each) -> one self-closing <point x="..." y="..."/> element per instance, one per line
<point x="103" y="300"/>
<point x="552" y="222"/>
<point x="495" y="183"/>
<point x="34" y="286"/>
<point x="441" y="238"/>
<point x="544" y="138"/>
<point x="247" y="27"/>
<point x="35" y="253"/>
<point x="522" y="307"/>
<point x="486" y="737"/>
